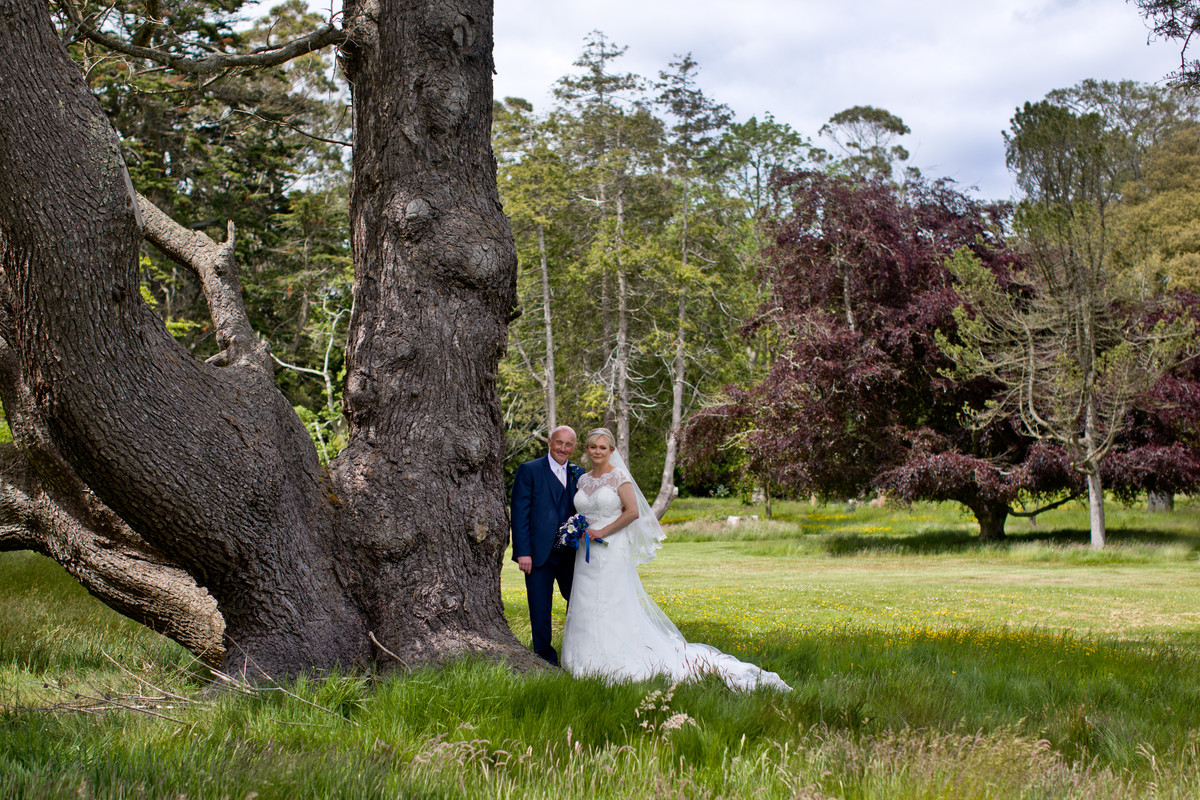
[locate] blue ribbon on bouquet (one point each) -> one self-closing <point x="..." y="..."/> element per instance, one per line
<point x="574" y="529"/>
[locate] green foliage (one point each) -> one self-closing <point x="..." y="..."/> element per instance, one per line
<point x="181" y="329"/>
<point x="867" y="138"/>
<point x="1158" y="246"/>
<point x="262" y="149"/>
<point x="605" y="199"/>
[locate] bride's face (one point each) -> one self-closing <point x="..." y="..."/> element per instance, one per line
<point x="599" y="451"/>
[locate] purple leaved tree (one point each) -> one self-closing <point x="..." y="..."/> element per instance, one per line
<point x="858" y="398"/>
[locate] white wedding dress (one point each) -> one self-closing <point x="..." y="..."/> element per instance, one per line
<point x="614" y="629"/>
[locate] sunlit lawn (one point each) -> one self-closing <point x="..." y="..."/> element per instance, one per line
<point x="917" y="568"/>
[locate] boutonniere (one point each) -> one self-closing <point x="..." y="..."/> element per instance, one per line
<point x="575" y="470"/>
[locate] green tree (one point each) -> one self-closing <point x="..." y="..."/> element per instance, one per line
<point x="614" y="141"/>
<point x="1073" y="357"/>
<point x="867" y="136"/>
<point x="698" y="120"/>
<point x="1158" y="246"/>
<point x="1140" y="116"/>
<point x="541" y="198"/>
<point x="260" y="148"/>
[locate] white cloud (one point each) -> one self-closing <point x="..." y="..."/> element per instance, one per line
<point x="953" y="70"/>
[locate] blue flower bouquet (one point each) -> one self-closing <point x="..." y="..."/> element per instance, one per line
<point x="569" y="534"/>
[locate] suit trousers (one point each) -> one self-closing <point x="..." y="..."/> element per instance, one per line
<point x="539" y="585"/>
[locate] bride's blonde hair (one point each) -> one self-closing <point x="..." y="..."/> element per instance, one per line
<point x="596" y="433"/>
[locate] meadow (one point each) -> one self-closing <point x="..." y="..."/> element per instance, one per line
<point x="924" y="665"/>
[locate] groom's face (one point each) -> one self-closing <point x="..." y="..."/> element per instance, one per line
<point x="562" y="444"/>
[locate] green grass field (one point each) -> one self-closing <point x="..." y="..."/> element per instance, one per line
<point x="924" y="666"/>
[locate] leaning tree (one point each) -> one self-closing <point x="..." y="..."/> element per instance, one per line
<point x="187" y="494"/>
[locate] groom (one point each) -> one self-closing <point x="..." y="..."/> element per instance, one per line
<point x="542" y="499"/>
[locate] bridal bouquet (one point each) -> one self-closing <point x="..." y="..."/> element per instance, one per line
<point x="571" y="531"/>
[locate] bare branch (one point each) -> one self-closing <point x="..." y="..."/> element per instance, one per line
<point x="1047" y="507"/>
<point x="62" y="519"/>
<point x="533" y="373"/>
<point x="403" y="663"/>
<point x="293" y="128"/>
<point x="218" y="62"/>
<point x="216" y="267"/>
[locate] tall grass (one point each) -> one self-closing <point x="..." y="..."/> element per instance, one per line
<point x="965" y="704"/>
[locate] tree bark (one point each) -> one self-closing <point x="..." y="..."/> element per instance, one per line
<point x="1160" y="502"/>
<point x="667" y="491"/>
<point x="199" y="475"/>
<point x="1091" y="464"/>
<point x="421" y="482"/>
<point x="105" y="556"/>
<point x="548" y="322"/>
<point x="622" y="350"/>
<point x="991" y="518"/>
<point x="1096" y="508"/>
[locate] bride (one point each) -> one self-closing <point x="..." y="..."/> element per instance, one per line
<point x="613" y="628"/>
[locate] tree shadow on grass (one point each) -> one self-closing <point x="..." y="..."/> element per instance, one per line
<point x="949" y="541"/>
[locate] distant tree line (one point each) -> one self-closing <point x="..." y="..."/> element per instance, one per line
<point x="1006" y="356"/>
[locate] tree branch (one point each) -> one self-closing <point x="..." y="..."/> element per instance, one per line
<point x="214" y="264"/>
<point x="293" y="128"/>
<point x="63" y="520"/>
<point x="1045" y="508"/>
<point x="218" y="62"/>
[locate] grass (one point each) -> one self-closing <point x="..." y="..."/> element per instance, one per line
<point x="923" y="665"/>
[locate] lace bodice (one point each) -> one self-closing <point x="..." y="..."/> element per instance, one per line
<point x="597" y="498"/>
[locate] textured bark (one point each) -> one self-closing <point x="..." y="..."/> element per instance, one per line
<point x="421" y="480"/>
<point x="45" y="507"/>
<point x="991" y="518"/>
<point x="207" y="463"/>
<point x="106" y="556"/>
<point x="163" y="483"/>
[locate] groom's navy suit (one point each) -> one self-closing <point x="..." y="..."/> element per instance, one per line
<point x="540" y="504"/>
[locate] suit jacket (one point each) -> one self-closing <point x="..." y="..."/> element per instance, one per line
<point x="539" y="505"/>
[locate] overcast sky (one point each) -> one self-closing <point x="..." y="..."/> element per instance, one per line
<point x="954" y="70"/>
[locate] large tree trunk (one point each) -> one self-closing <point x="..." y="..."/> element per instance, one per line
<point x="1160" y="502"/>
<point x="435" y="278"/>
<point x="991" y="518"/>
<point x="202" y="471"/>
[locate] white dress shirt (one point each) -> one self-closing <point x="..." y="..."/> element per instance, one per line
<point x="560" y="470"/>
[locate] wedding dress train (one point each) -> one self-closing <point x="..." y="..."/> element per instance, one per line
<point x="614" y="629"/>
